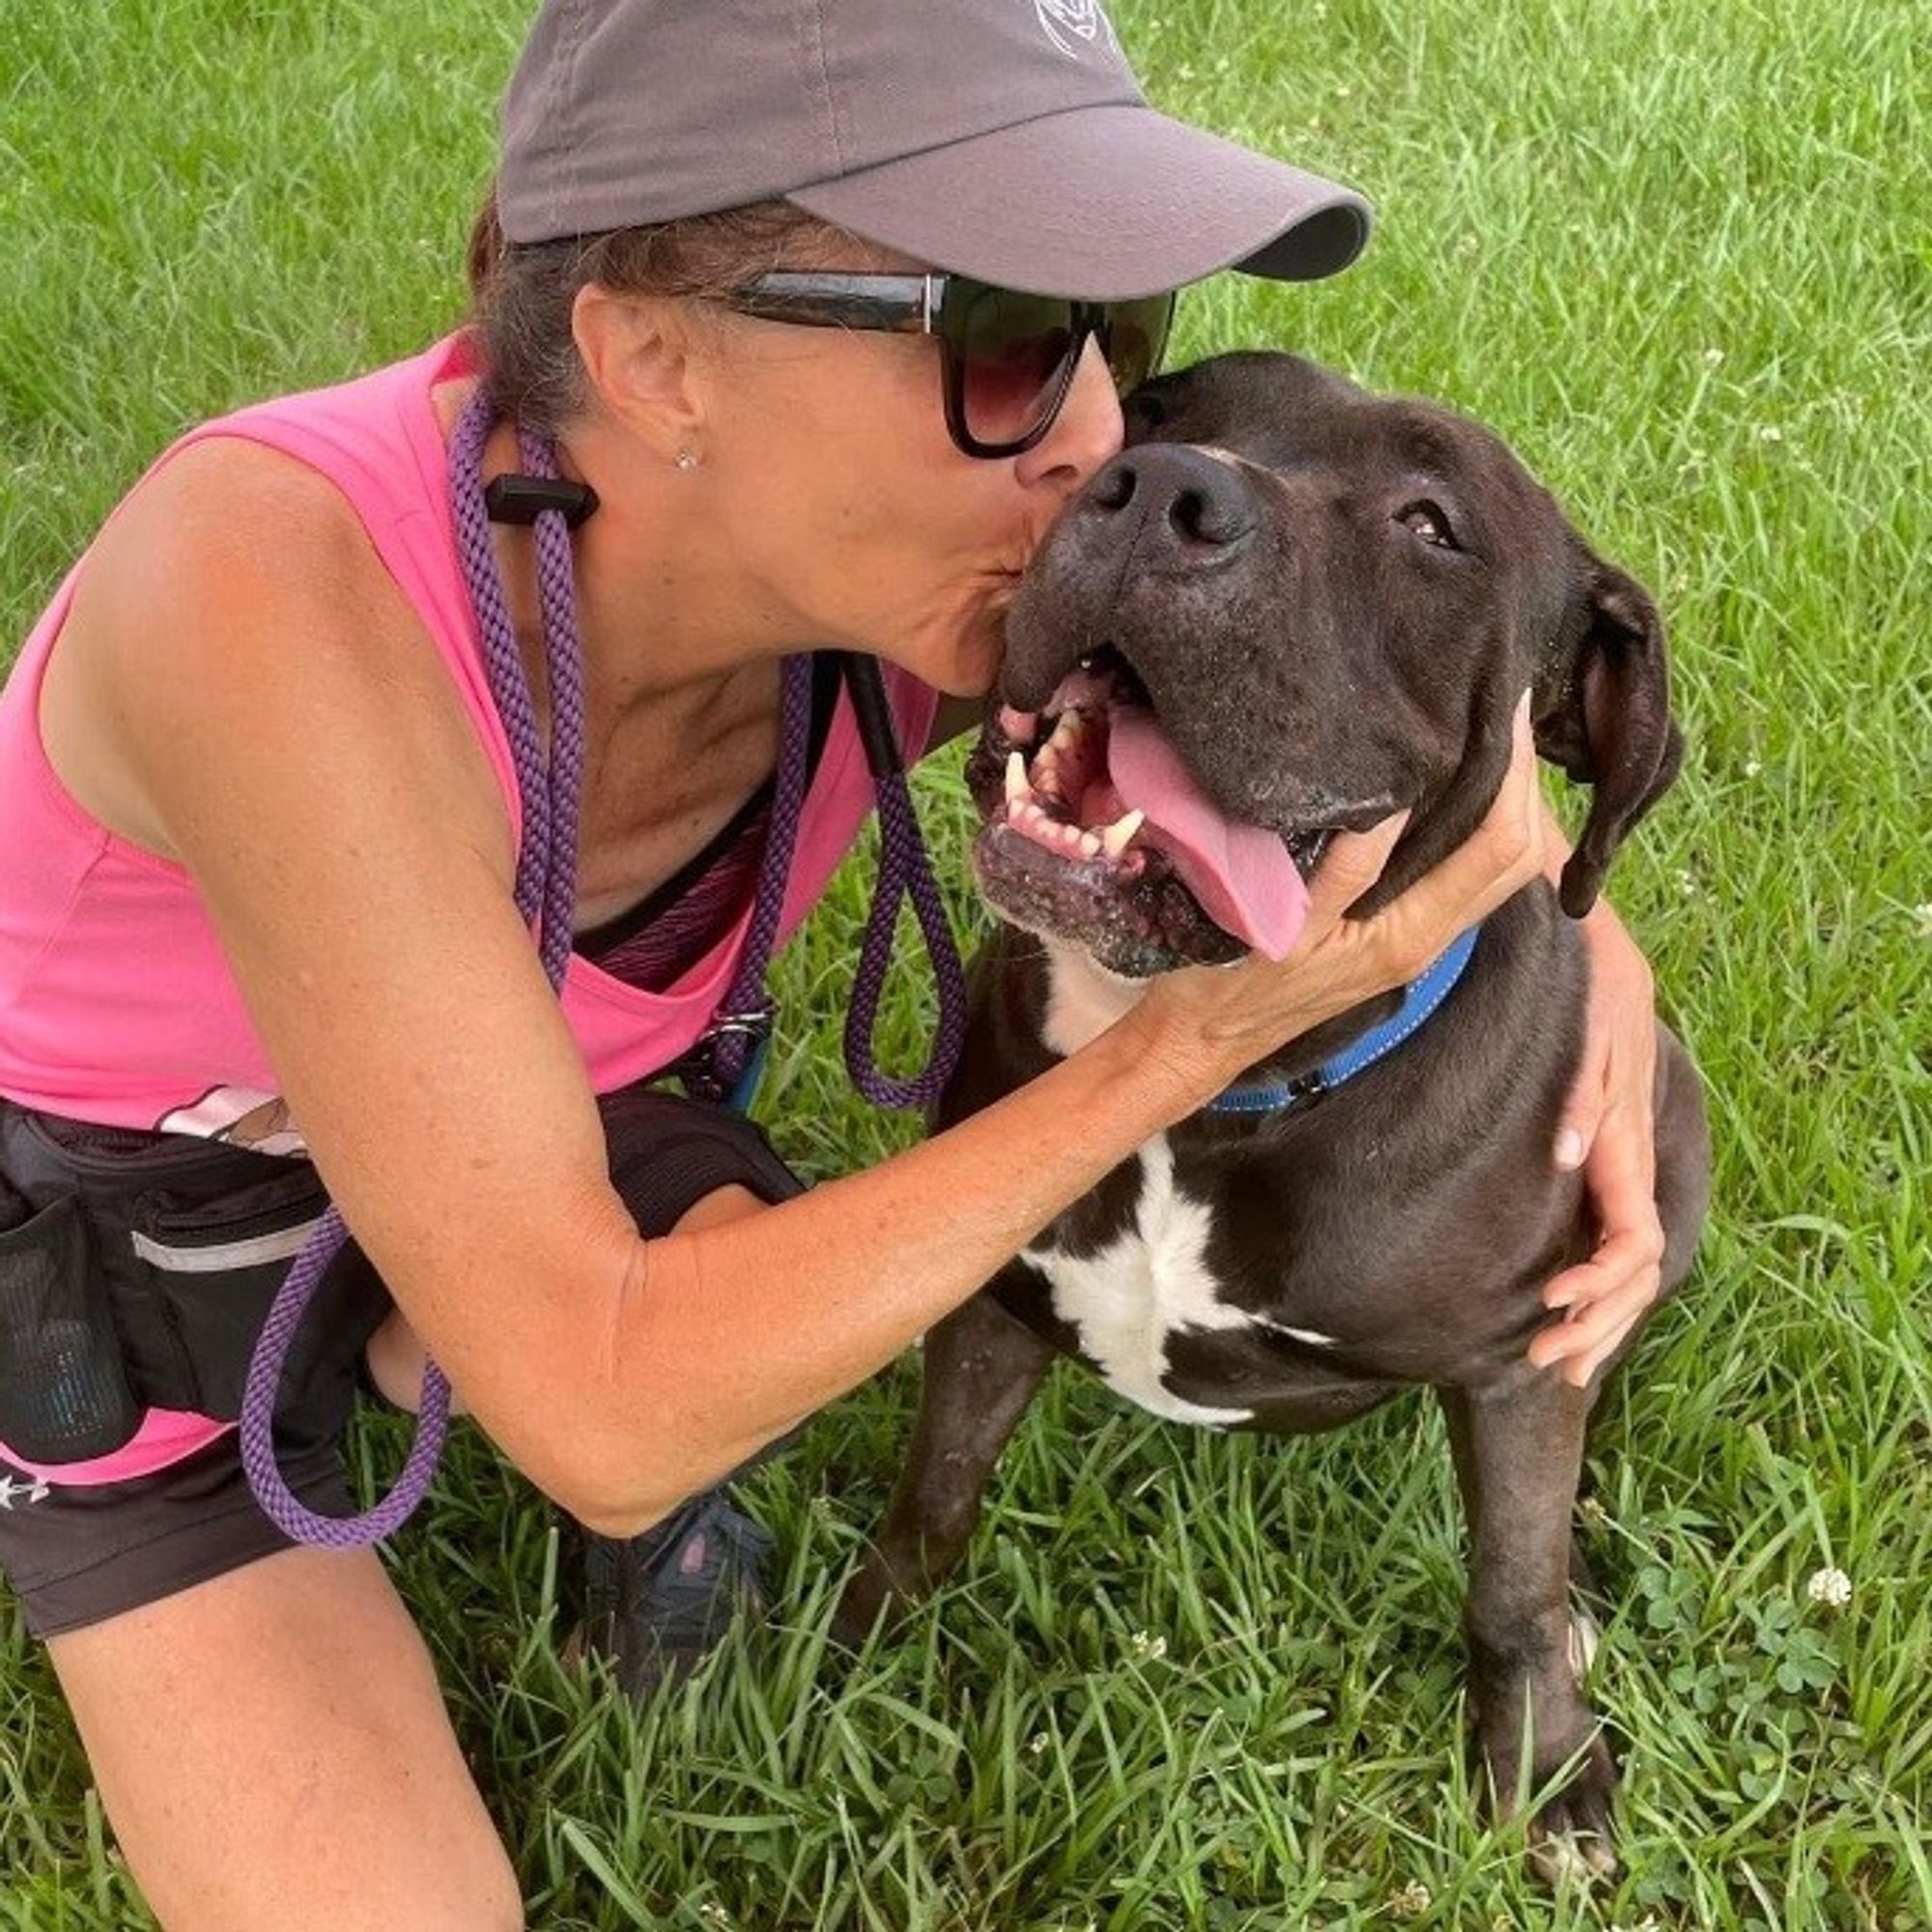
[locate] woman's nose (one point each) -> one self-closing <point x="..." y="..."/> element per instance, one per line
<point x="1087" y="433"/>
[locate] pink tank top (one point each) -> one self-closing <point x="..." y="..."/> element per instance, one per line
<point x="116" y="1003"/>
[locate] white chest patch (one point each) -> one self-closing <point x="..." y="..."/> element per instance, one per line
<point x="1083" y="1000"/>
<point x="1152" y="1282"/>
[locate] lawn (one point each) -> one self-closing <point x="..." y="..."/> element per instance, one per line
<point x="1679" y="254"/>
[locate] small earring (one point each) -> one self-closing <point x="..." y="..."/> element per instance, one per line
<point x="687" y="459"/>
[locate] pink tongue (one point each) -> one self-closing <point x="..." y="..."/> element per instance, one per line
<point x="1242" y="874"/>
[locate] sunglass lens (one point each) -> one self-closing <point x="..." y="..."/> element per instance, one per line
<point x="1016" y="353"/>
<point x="1137" y="334"/>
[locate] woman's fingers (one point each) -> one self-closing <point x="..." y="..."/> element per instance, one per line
<point x="1608" y="1128"/>
<point x="1613" y="1291"/>
<point x="1496" y="861"/>
<point x="1609" y="1294"/>
<point x="1352" y="862"/>
<point x="1338" y="962"/>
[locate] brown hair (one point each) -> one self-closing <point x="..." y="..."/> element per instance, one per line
<point x="521" y="292"/>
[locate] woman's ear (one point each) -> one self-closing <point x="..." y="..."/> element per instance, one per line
<point x="1601" y="713"/>
<point x="637" y="353"/>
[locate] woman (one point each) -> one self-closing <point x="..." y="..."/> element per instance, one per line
<point x="262" y="872"/>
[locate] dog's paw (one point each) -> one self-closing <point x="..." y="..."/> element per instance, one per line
<point x="1571" y="1839"/>
<point x="1572" y="1835"/>
<point x="876" y="1599"/>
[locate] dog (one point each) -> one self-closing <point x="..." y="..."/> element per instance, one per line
<point x="1289" y="606"/>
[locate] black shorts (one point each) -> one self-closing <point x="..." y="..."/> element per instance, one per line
<point x="74" y="1556"/>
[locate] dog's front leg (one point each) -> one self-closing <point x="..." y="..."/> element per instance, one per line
<point x="981" y="1369"/>
<point x="1518" y="1448"/>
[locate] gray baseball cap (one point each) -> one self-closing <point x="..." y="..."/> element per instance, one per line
<point x="1005" y="139"/>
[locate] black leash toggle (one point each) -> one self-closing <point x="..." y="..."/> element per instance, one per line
<point x="516" y="499"/>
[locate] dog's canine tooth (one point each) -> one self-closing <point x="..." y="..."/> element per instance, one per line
<point x="1018" y="790"/>
<point x="1116" y="836"/>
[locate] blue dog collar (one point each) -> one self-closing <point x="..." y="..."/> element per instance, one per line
<point x="1419" y="1000"/>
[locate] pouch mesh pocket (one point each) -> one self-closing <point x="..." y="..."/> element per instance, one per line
<point x="64" y="1394"/>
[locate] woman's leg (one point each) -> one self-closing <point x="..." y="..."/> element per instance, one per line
<point x="273" y="1750"/>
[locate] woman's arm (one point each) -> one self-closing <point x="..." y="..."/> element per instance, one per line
<point x="296" y="736"/>
<point x="1608" y="1129"/>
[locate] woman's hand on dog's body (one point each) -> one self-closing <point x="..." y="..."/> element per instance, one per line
<point x="1608" y="1129"/>
<point x="1228" y="1018"/>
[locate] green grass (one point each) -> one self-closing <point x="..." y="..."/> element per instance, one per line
<point x="1677" y="253"/>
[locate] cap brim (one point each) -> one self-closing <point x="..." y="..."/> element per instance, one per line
<point x="1103" y="204"/>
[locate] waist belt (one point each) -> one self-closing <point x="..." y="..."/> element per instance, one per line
<point x="135" y="1270"/>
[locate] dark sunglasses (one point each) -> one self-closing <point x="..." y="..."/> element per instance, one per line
<point x="1008" y="358"/>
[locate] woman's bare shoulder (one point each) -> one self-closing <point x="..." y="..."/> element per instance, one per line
<point x="238" y="580"/>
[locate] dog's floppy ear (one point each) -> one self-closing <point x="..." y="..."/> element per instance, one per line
<point x="1602" y="712"/>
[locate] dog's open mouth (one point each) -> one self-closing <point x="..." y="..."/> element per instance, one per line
<point x="1096" y="832"/>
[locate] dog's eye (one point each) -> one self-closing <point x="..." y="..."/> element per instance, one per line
<point x="1427" y="520"/>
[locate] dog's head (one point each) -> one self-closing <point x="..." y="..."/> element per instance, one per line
<point x="1286" y="609"/>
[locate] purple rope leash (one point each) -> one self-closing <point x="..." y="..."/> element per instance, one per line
<point x="904" y="872"/>
<point x="563" y="660"/>
<point x="546" y="895"/>
<point x="747" y="1013"/>
<point x="546" y="890"/>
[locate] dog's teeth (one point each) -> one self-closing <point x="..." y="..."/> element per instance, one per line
<point x="1116" y="836"/>
<point x="1020" y="726"/>
<point x="1018" y="790"/>
<point x="1089" y="844"/>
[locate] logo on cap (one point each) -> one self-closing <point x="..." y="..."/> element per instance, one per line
<point x="1081" y="18"/>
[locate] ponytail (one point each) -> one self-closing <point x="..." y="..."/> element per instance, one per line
<point x="486" y="245"/>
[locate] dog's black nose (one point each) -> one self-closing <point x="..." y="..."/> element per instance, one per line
<point x="1189" y="510"/>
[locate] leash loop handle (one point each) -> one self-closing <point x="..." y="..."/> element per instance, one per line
<point x="905" y="872"/>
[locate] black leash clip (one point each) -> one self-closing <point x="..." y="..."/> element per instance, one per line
<point x="697" y="1070"/>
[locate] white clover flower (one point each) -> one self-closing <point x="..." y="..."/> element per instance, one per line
<point x="1148" y="1647"/>
<point x="1753" y="767"/>
<point x="1829" y="1587"/>
<point x="1922" y="913"/>
<point x="1770" y="433"/>
<point x="1411" y="1901"/>
<point x="1037" y="1742"/>
<point x="1712" y="357"/>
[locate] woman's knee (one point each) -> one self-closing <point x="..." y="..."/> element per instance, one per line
<point x="396" y="1360"/>
<point x="730" y="1202"/>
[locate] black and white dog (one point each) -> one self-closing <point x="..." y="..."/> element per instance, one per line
<point x="1290" y="607"/>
